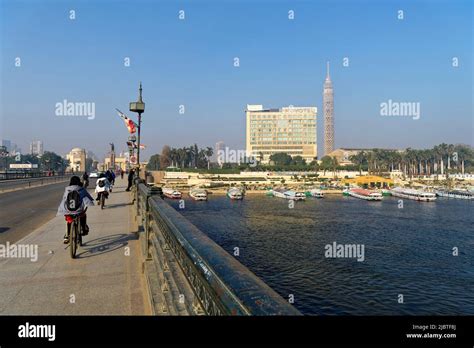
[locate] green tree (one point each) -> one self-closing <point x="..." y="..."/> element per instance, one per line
<point x="51" y="161"/>
<point x="165" y="157"/>
<point x="154" y="163"/>
<point x="326" y="163"/>
<point x="359" y="159"/>
<point x="209" y="152"/>
<point x="298" y="161"/>
<point x="281" y="159"/>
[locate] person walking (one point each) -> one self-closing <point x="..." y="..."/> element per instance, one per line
<point x="85" y="180"/>
<point x="130" y="179"/>
<point x="121" y="173"/>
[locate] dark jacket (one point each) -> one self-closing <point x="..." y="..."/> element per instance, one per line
<point x="86" y="199"/>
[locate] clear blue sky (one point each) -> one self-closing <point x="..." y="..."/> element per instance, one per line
<point x="190" y="62"/>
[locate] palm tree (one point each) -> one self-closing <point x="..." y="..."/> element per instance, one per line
<point x="464" y="154"/>
<point x="377" y="159"/>
<point x="334" y="164"/>
<point x="396" y="160"/>
<point x="358" y="159"/>
<point x="370" y="159"/>
<point x="409" y="158"/>
<point x="427" y="159"/>
<point x="209" y="152"/>
<point x="173" y="155"/>
<point x="443" y="153"/>
<point x="326" y="163"/>
<point x="450" y="150"/>
<point x="195" y="155"/>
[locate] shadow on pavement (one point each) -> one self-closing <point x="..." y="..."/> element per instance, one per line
<point x="118" y="191"/>
<point x="104" y="245"/>
<point x="4" y="229"/>
<point x="117" y="205"/>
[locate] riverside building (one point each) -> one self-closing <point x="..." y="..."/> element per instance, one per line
<point x="290" y="129"/>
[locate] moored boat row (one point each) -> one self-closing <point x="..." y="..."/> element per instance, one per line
<point x="368" y="195"/>
<point x="198" y="194"/>
<point x="317" y="193"/>
<point x="235" y="193"/>
<point x="171" y="193"/>
<point x="459" y="194"/>
<point x="288" y="194"/>
<point x="416" y="195"/>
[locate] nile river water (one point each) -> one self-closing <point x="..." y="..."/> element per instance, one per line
<point x="408" y="251"/>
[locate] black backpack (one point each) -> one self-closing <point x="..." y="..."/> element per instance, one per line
<point x="73" y="201"/>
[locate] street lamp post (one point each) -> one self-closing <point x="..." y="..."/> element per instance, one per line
<point x="138" y="107"/>
<point x="131" y="146"/>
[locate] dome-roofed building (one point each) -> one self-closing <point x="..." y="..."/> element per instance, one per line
<point x="77" y="159"/>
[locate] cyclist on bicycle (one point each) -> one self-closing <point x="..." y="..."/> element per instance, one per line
<point x="109" y="174"/>
<point x="75" y="201"/>
<point x="102" y="185"/>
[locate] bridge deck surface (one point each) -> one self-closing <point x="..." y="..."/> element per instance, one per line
<point x="106" y="277"/>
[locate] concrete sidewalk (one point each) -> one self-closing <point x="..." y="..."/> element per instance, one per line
<point x="105" y="278"/>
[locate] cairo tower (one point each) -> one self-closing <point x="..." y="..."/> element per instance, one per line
<point x="328" y="109"/>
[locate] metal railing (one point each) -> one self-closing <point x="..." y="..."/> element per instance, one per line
<point x="27" y="174"/>
<point x="13" y="184"/>
<point x="221" y="284"/>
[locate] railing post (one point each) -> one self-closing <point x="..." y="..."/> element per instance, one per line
<point x="137" y="194"/>
<point x="152" y="191"/>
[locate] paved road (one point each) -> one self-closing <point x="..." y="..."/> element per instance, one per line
<point x="21" y="212"/>
<point x="20" y="184"/>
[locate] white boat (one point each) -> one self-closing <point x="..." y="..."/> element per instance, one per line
<point x="316" y="193"/>
<point x="416" y="195"/>
<point x="459" y="194"/>
<point x="289" y="194"/>
<point x="368" y="195"/>
<point x="235" y="193"/>
<point x="198" y="194"/>
<point x="171" y="193"/>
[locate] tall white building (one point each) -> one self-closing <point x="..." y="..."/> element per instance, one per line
<point x="36" y="148"/>
<point x="219" y="149"/>
<point x="290" y="129"/>
<point x="328" y="110"/>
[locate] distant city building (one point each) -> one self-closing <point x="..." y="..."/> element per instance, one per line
<point x="15" y="149"/>
<point x="7" y="144"/>
<point x="77" y="159"/>
<point x="36" y="148"/>
<point x="290" y="129"/>
<point x="91" y="155"/>
<point x="12" y="148"/>
<point x="328" y="110"/>
<point x="219" y="148"/>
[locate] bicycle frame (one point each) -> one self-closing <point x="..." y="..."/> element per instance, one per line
<point x="74" y="230"/>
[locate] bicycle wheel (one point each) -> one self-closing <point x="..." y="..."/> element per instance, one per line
<point x="102" y="200"/>
<point x="79" y="235"/>
<point x="73" y="239"/>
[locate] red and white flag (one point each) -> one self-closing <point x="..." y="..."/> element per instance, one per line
<point x="134" y="145"/>
<point x="131" y="126"/>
